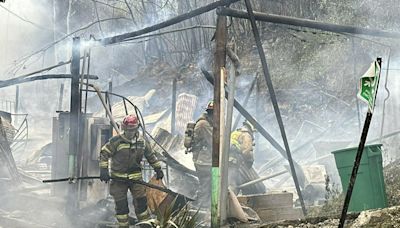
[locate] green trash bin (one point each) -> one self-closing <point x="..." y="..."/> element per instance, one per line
<point x="369" y="189"/>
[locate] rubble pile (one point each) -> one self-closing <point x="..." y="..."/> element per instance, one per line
<point x="392" y="182"/>
<point x="327" y="215"/>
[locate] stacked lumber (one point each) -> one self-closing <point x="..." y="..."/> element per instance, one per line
<point x="272" y="206"/>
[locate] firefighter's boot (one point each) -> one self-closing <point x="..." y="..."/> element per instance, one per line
<point x="123" y="221"/>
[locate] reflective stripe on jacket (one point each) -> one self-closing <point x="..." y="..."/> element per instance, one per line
<point x="202" y="146"/>
<point x="126" y="155"/>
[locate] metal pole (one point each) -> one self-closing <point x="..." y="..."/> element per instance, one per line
<point x="16" y="99"/>
<point x="60" y="98"/>
<point x="258" y="115"/>
<point x="246" y="99"/>
<point x="219" y="65"/>
<point x="173" y="111"/>
<point x="75" y="106"/>
<point x="355" y="169"/>
<point x="387" y="97"/>
<point x="360" y="150"/>
<point x="166" y="23"/>
<point x="110" y="89"/>
<point x="278" y="19"/>
<point x="274" y="100"/>
<point x="356" y="87"/>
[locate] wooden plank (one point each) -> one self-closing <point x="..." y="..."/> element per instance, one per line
<point x="267" y="201"/>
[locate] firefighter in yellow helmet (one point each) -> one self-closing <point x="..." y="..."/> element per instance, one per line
<point x="241" y="153"/>
<point x="202" y="154"/>
<point x="126" y="152"/>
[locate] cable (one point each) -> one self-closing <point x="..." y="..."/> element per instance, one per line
<point x="25" y="20"/>
<point x="43" y="70"/>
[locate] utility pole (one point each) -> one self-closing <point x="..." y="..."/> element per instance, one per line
<point x="75" y="106"/>
<point x="219" y="68"/>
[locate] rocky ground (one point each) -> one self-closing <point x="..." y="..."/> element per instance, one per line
<point x="327" y="216"/>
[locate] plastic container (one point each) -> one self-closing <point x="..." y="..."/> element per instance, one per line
<point x="369" y="189"/>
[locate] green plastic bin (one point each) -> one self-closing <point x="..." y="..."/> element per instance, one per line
<point x="369" y="189"/>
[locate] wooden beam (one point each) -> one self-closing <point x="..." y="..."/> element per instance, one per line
<point x="233" y="73"/>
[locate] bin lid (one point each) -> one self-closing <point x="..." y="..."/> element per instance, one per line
<point x="355" y="148"/>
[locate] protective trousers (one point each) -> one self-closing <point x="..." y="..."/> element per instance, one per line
<point x="204" y="194"/>
<point x="234" y="177"/>
<point x="119" y="190"/>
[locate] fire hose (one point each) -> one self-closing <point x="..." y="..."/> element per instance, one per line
<point x="74" y="179"/>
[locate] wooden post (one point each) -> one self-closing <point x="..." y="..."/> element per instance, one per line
<point x="173" y="110"/>
<point x="274" y="101"/>
<point x="226" y="146"/>
<point x="219" y="65"/>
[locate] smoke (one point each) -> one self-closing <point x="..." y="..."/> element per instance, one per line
<point x="315" y="76"/>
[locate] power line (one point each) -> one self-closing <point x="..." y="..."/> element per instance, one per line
<point x="23" y="19"/>
<point x="43" y="49"/>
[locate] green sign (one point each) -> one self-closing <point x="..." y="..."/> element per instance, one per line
<point x="368" y="86"/>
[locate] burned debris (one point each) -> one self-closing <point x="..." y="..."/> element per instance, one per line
<point x="200" y="114"/>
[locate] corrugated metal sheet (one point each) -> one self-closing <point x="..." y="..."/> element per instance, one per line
<point x="6" y="157"/>
<point x="185" y="107"/>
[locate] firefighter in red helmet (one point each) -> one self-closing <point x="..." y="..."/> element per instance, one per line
<point x="126" y="152"/>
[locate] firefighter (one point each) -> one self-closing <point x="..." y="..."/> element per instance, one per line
<point x="241" y="153"/>
<point x="202" y="154"/>
<point x="126" y="153"/>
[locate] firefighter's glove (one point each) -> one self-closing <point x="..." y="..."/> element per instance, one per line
<point x="159" y="174"/>
<point x="104" y="175"/>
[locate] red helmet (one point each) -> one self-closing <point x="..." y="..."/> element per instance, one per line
<point x="130" y="122"/>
